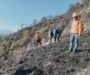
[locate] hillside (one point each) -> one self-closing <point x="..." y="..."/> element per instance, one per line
<point x="49" y="60"/>
<point x="52" y="59"/>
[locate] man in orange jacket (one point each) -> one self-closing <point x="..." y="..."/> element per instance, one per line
<point x="37" y="38"/>
<point x="75" y="32"/>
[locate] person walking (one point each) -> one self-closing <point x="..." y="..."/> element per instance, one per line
<point x="58" y="31"/>
<point x="50" y="35"/>
<point x="37" y="38"/>
<point x="55" y="34"/>
<point x="75" y="32"/>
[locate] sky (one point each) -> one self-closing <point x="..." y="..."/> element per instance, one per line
<point x="13" y="13"/>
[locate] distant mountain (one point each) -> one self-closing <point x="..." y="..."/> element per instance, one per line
<point x="5" y="32"/>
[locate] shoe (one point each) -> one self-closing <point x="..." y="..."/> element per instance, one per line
<point x="74" y="51"/>
<point x="70" y="50"/>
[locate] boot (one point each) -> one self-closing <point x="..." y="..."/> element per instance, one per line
<point x="70" y="50"/>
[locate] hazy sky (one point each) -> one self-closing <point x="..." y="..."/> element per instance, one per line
<point x="13" y="13"/>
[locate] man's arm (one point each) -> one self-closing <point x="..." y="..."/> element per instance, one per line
<point x="80" y="27"/>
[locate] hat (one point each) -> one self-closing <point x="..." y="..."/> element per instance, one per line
<point x="75" y="14"/>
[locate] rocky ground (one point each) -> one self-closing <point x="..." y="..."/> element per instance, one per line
<point x="51" y="60"/>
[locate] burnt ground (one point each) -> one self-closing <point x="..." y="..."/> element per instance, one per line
<point x="50" y="60"/>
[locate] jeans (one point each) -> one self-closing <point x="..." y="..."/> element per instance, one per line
<point x="73" y="41"/>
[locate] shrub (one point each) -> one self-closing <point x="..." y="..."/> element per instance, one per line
<point x="86" y="2"/>
<point x="88" y="15"/>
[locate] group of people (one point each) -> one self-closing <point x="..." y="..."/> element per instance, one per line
<point x="75" y="32"/>
<point x="53" y="34"/>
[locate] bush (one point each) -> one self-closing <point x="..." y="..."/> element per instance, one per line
<point x="14" y="45"/>
<point x="43" y="20"/>
<point x="75" y="7"/>
<point x="88" y="15"/>
<point x="86" y="2"/>
<point x="3" y="50"/>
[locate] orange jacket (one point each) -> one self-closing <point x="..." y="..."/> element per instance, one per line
<point x="77" y="26"/>
<point x="37" y="36"/>
<point x="80" y="26"/>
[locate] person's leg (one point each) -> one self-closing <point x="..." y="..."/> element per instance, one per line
<point x="71" y="43"/>
<point x="36" y="43"/>
<point x="75" y="43"/>
<point x="40" y="43"/>
<point x="55" y="38"/>
<point x="58" y="37"/>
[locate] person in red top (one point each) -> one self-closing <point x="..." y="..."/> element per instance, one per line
<point x="75" y="31"/>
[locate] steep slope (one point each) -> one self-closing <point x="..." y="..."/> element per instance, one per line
<point x="16" y="59"/>
<point x="50" y="60"/>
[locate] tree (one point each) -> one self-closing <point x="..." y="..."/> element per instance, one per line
<point x="22" y="25"/>
<point x="35" y="22"/>
<point x="43" y="20"/>
<point x="49" y="17"/>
